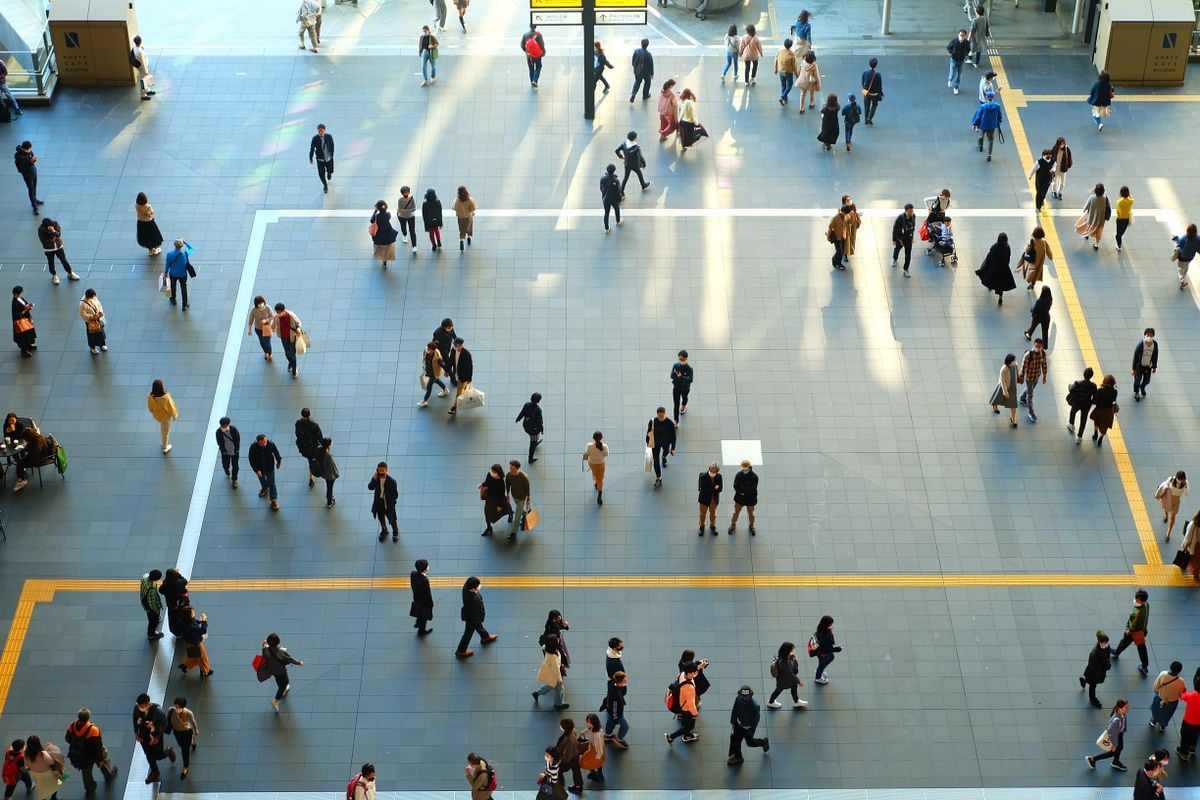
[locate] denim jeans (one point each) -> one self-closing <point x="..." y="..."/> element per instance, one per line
<point x="535" y="68"/>
<point x="955" y="76"/>
<point x="1162" y="712"/>
<point x="264" y="342"/>
<point x="786" y="81"/>
<point x="731" y="60"/>
<point x="560" y="692"/>
<point x="823" y="661"/>
<point x="267" y="481"/>
<point x="432" y="382"/>
<point x="289" y="350"/>
<point x="620" y="723"/>
<point x="427" y="65"/>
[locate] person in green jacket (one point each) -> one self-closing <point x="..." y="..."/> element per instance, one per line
<point x="152" y="603"/>
<point x="1136" y="629"/>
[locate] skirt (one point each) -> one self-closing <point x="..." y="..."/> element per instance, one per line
<point x="148" y="234"/>
<point x="1084" y="229"/>
<point x="385" y="252"/>
<point x="46" y="783"/>
<point x="96" y="339"/>
<point x="998" y="398"/>
<point x="1103" y="417"/>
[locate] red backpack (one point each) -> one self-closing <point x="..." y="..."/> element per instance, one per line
<point x="353" y="784"/>
<point x="492" y="783"/>
<point x="533" y="48"/>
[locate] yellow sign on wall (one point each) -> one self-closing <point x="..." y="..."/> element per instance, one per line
<point x="540" y="4"/>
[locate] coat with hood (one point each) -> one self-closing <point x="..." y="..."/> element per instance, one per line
<point x="809" y="76"/>
<point x="745" y="713"/>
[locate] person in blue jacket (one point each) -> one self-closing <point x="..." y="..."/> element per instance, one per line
<point x="178" y="267"/>
<point x="987" y="121"/>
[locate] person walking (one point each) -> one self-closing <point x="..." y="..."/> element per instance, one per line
<point x="320" y="17"/>
<point x="743" y="722"/>
<point x="45" y="763"/>
<point x="440" y="12"/>
<point x="49" y="233"/>
<point x="660" y="438"/>
<point x="432" y="369"/>
<point x="1100" y="99"/>
<point x="473" y="614"/>
<point x="978" y="36"/>
<point x="494" y="497"/>
<point x="1042" y="173"/>
<point x="988" y="83"/>
<point x="308" y="442"/>
<point x="516" y="483"/>
<point x="594" y="456"/>
<point x="229" y="445"/>
<point x="431" y="216"/>
<point x="530" y="417"/>
<point x="1186" y="247"/>
<point x="1034" y="365"/>
<point x="1168" y="688"/>
<point x="785" y="669"/>
<point x="733" y="46"/>
<point x="1145" y="363"/>
<point x="1080" y="397"/>
<point x="823" y="648"/>
<point x="851" y="114"/>
<point x="829" y="133"/>
<point x="384" y="493"/>
<point x="710" y="483"/>
<point x="1191" y="540"/>
<point x="1106" y="409"/>
<point x="92" y="314"/>
<point x="1063" y="161"/>
<point x="1189" y="728"/>
<point x="838" y="229"/>
<point x="288" y="327"/>
<point x="383" y="235"/>
<point x="802" y="31"/>
<point x="1005" y="392"/>
<point x="994" y="273"/>
<point x="614" y="707"/>
<point x="551" y="675"/>
<point x="750" y="50"/>
<point x="630" y="153"/>
<point x="264" y="458"/>
<point x="462" y="370"/>
<point x="149" y="731"/>
<point x="809" y="80"/>
<point x="668" y="108"/>
<point x="329" y="471"/>
<point x="534" y="48"/>
<point x="872" y="86"/>
<point x="148" y="234"/>
<point x="86" y="750"/>
<point x="592" y="741"/>
<point x="259" y="322"/>
<point x="786" y="69"/>
<point x="464" y="212"/>
<point x="193" y="635"/>
<point x="958" y="48"/>
<point x="1125" y="219"/>
<point x="479" y="775"/>
<point x="162" y="407"/>
<point x="611" y="194"/>
<point x="321" y="148"/>
<point x="15" y="769"/>
<point x="1136" y="628"/>
<point x="1169" y="494"/>
<point x="1040" y="313"/>
<point x="550" y="781"/>
<point x="600" y="63"/>
<point x="643" y="71"/>
<point x="745" y="495"/>
<point x="986" y="121"/>
<point x="903" y="228"/>
<point x="182" y="723"/>
<point x="444" y="336"/>
<point x="427" y="51"/>
<point x="690" y="129"/>
<point x="1095" y="213"/>
<point x="278" y="660"/>
<point x="1113" y="738"/>
<point x="178" y="268"/>
<point x="151" y="603"/>
<point x="682" y="375"/>
<point x="1033" y="260"/>
<point x="141" y="62"/>
<point x="1098" y="665"/>
<point x="421" y="608"/>
<point x="568" y="746"/>
<point x="687" y="710"/>
<point x="175" y="598"/>
<point x="306" y="17"/>
<point x="853" y="223"/>
<point x="406" y="213"/>
<point x="26" y="164"/>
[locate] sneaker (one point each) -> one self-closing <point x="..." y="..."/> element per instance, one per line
<point x="800" y="704"/>
<point x="275" y="704"/>
<point x="71" y="276"/>
<point x="733" y="761"/>
<point x="670" y="741"/>
<point x="774" y="704"/>
<point x="956" y="91"/>
<point x="1101" y="126"/>
<point x="94" y="351"/>
<point x="1083" y="685"/>
<point x="700" y="532"/>
<point x="1032" y="417"/>
<point x="234" y="484"/>
<point x="422" y="404"/>
<point x="168" y="449"/>
<point x="443" y="392"/>
<point x="331" y="503"/>
<point x="54" y="279"/>
<point x="752" y="531"/>
<point x="1119" y="767"/>
<point x="1091" y="762"/>
<point x="691" y="737"/>
<point x="822" y="680"/>
<point x="766" y="745"/>
<point x="1143" y="669"/>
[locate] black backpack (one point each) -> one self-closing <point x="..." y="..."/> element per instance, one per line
<point x="77" y="753"/>
<point x="134" y="61"/>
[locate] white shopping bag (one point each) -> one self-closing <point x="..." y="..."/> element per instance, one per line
<point x="164" y="285"/>
<point x="471" y="398"/>
<point x="649" y="460"/>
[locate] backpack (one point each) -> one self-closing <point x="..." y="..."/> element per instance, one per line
<point x="671" y="698"/>
<point x="533" y="48"/>
<point x="353" y="784"/>
<point x="492" y="783"/>
<point x="77" y="753"/>
<point x="315" y="467"/>
<point x="812" y="646"/>
<point x="134" y="61"/>
<point x="775" y="668"/>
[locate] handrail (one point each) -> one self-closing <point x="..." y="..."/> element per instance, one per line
<point x="30" y="71"/>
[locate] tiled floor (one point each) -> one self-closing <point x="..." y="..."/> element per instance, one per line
<point x="866" y="392"/>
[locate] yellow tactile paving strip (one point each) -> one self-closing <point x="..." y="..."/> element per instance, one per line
<point x="1083" y="334"/>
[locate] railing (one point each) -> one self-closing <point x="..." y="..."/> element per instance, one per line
<point x="30" y="72"/>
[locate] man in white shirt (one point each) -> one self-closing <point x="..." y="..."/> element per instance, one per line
<point x="142" y="65"/>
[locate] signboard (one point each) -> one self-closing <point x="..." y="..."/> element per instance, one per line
<point x="606" y="17"/>
<point x="534" y="5"/>
<point x="555" y="17"/>
<point x="603" y="17"/>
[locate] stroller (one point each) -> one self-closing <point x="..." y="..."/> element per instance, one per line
<point x="941" y="242"/>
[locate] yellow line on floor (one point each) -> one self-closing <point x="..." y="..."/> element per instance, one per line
<point x="32" y="592"/>
<point x="1083" y="334"/>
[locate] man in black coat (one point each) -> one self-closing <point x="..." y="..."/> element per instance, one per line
<point x="1099" y="662"/>
<point x="660" y="438"/>
<point x="643" y="71"/>
<point x="710" y="484"/>
<point x="743" y="722"/>
<point x="444" y="336"/>
<point x="26" y="163"/>
<point x="902" y="236"/>
<point x="229" y="444"/>
<point x="383" y="506"/>
<point x="745" y="495"/>
<point x="473" y="614"/>
<point x="150" y="730"/>
<point x="264" y="459"/>
<point x="463" y="370"/>
<point x="612" y="194"/>
<point x="308" y="439"/>
<point x="321" y="147"/>
<point x="531" y="421"/>
<point x="1145" y="363"/>
<point x="1080" y="398"/>
<point x="681" y="376"/>
<point x="422" y="602"/>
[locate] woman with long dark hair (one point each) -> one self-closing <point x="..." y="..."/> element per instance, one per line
<point x="148" y="234"/>
<point x="826" y="647"/>
<point x="830" y="127"/>
<point x="786" y="671"/>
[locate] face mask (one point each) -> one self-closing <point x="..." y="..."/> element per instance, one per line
<point x="1148" y="340"/>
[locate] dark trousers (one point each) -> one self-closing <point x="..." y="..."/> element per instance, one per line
<point x="281" y="683"/>
<point x="823" y="661"/>
<point x="1141" y="380"/>
<point x="229" y="463"/>
<point x="1143" y="654"/>
<point x="1122" y="225"/>
<point x="870" y="105"/>
<point x="471" y="627"/>
<point x="185" y="745"/>
<point x="534" y="440"/>
<point x="325" y="172"/>
<point x="61" y="254"/>
<point x="1039" y="197"/>
<point x="576" y="772"/>
<point x="421" y="623"/>
<point x="749" y="66"/>
<point x="740" y="735"/>
<point x="660" y="457"/>
<point x="629" y="170"/>
<point x="408" y="229"/>
<point x="329" y="490"/>
<point x="1091" y="687"/>
<point x="1188" y="734"/>
<point x="434" y="382"/>
<point x="31" y="185"/>
<point x="906" y="245"/>
<point x="385" y="515"/>
<point x="106" y="769"/>
<point x="153" y="620"/>
<point x="264" y="342"/>
<point x="1161" y="712"/>
<point x="1082" y="411"/>
<point x="25" y="778"/>
<point x="680" y="395"/>
<point x="535" y="68"/>
<point x="687" y="724"/>
<point x="289" y="352"/>
<point x="267" y="481"/>
<point x="839" y="253"/>
<point x="601" y="79"/>
<point x="614" y="207"/>
<point x="1114" y="754"/>
<point x="644" y="82"/>
<point x="1045" y="323"/>
<point x="780" y="690"/>
<point x="154" y="753"/>
<point x="182" y="283"/>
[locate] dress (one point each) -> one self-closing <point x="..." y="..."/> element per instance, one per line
<point x="148" y="234"/>
<point x="830" y="130"/>
<point x="1032" y="270"/>
<point x="1093" y="219"/>
<point x="23" y="339"/>
<point x="1008" y="375"/>
<point x="1106" y="408"/>
<point x="995" y="273"/>
<point x="852" y="225"/>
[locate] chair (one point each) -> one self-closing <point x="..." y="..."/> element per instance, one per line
<point x="49" y="460"/>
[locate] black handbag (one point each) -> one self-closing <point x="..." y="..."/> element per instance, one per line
<point x="1182" y="559"/>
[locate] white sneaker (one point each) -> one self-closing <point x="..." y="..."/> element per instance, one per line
<point x="168" y="449"/>
<point x="800" y="704"/>
<point x="71" y="276"/>
<point x="956" y="91"/>
<point x="287" y="689"/>
<point x="54" y="279"/>
<point x="275" y="704"/>
<point x="821" y="680"/>
<point x="422" y="404"/>
<point x="775" y="704"/>
<point x="443" y="392"/>
<point x="94" y="351"/>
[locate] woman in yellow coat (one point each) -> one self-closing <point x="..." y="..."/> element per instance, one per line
<point x="162" y="408"/>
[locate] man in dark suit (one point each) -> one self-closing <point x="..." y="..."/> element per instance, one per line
<point x="264" y="459"/>
<point x="383" y="506"/>
<point x="229" y="443"/>
<point x="308" y="439"/>
<point x="445" y="336"/>
<point x="643" y="71"/>
<point x="321" y="147"/>
<point x="473" y="613"/>
<point x="422" y="602"/>
<point x="463" y="370"/>
<point x="531" y="420"/>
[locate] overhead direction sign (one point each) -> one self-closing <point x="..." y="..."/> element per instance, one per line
<point x="607" y="17"/>
<point x="555" y="17"/>
<point x="550" y="17"/>
<point x="535" y="5"/>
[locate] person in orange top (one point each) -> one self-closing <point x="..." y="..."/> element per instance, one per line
<point x="1189" y="731"/>
<point x="688" y="710"/>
